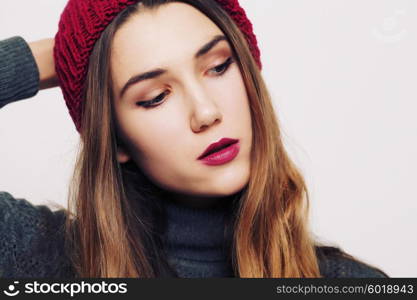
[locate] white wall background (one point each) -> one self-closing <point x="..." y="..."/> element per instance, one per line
<point x="343" y="78"/>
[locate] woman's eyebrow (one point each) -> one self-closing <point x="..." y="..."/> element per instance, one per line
<point x="158" y="72"/>
<point x="207" y="47"/>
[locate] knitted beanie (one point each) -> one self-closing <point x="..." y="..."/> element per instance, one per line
<point x="80" y="26"/>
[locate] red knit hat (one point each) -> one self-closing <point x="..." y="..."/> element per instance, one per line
<point x="80" y="26"/>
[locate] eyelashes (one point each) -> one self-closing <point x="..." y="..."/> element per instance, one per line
<point x="221" y="69"/>
<point x="157" y="99"/>
<point x="218" y="71"/>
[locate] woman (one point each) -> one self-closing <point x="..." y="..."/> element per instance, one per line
<point x="182" y="171"/>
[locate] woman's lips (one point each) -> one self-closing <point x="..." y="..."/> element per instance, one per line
<point x="222" y="143"/>
<point x="222" y="156"/>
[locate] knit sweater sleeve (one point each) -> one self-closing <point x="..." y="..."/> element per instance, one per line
<point x="31" y="240"/>
<point x="19" y="74"/>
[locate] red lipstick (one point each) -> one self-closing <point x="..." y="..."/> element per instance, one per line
<point x="220" y="152"/>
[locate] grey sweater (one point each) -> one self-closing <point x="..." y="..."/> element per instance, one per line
<point x="32" y="236"/>
<point x="19" y="75"/>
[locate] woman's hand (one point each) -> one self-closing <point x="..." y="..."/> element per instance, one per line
<point x="43" y="52"/>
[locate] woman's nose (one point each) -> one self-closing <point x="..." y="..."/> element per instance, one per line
<point x="204" y="110"/>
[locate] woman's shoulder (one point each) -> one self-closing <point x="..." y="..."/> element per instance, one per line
<point x="31" y="239"/>
<point x="335" y="263"/>
<point x="24" y="208"/>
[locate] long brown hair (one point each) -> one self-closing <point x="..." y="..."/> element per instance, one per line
<point x="114" y="229"/>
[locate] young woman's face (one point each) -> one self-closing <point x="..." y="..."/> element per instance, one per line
<point x="198" y="99"/>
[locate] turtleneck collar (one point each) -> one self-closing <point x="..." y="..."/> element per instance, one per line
<point x="197" y="233"/>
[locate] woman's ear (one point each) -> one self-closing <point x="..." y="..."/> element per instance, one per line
<point x="122" y="155"/>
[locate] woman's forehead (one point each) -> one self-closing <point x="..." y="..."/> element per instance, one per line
<point x="155" y="35"/>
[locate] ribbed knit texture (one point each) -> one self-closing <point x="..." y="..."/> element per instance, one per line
<point x="19" y="76"/>
<point x="80" y="26"/>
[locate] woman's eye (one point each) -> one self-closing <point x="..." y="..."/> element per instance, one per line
<point x="156" y="100"/>
<point x="221" y="69"/>
<point x="217" y="70"/>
